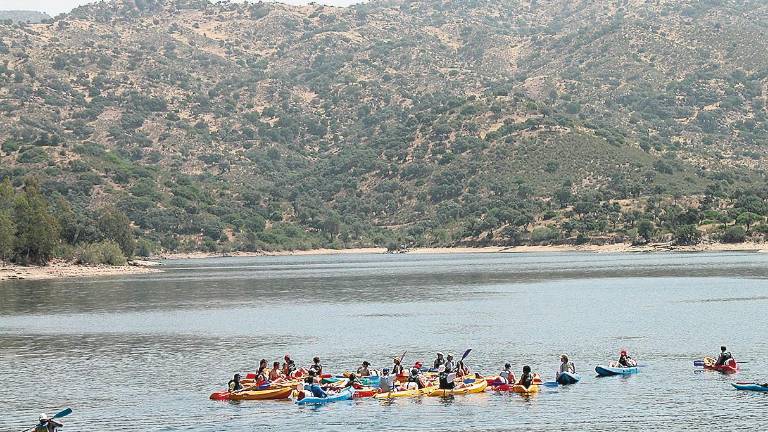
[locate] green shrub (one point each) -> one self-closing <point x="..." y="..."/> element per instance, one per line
<point x="106" y="252"/>
<point x="687" y="235"/>
<point x="734" y="234"/>
<point x="543" y="234"/>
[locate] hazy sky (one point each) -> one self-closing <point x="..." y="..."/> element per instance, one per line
<point x="55" y="7"/>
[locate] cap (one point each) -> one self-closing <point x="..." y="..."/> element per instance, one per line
<point x="43" y="417"/>
<point x="439" y="353"/>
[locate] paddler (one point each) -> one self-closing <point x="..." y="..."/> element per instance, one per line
<point x="316" y="366"/>
<point x="276" y="374"/>
<point x="462" y="370"/>
<point x="566" y="365"/>
<point x="446" y="379"/>
<point x="364" y="370"/>
<point x="234" y="384"/>
<point x="439" y="361"/>
<point x="312" y="384"/>
<point x="47" y="424"/>
<point x="450" y="365"/>
<point x="386" y="381"/>
<point x="414" y="378"/>
<point x="289" y="366"/>
<point x="723" y="357"/>
<point x="625" y="360"/>
<point x="526" y="379"/>
<point x="397" y="368"/>
<point x="507" y="376"/>
<point x="353" y="382"/>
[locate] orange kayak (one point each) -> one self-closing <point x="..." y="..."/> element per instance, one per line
<point x="269" y="394"/>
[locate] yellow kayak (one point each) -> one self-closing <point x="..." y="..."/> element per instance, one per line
<point x="522" y="390"/>
<point x="477" y="387"/>
<point x="405" y="393"/>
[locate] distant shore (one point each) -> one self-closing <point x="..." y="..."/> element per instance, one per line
<point x="67" y="270"/>
<point x="610" y="248"/>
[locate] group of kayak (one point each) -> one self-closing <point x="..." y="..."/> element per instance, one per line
<point x="446" y="377"/>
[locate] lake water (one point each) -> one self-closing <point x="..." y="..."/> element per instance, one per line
<point x="142" y="353"/>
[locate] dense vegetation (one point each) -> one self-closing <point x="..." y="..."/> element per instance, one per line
<point x="263" y="126"/>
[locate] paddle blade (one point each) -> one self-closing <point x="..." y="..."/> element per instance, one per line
<point x="63" y="413"/>
<point x="698" y="363"/>
<point x="466" y="354"/>
<point x="403" y="356"/>
<point x="551" y="384"/>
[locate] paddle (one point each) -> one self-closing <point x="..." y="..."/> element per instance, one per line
<point x="63" y="413"/>
<point x="466" y="354"/>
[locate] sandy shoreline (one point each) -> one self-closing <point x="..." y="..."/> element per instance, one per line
<point x="65" y="270"/>
<point x="611" y="248"/>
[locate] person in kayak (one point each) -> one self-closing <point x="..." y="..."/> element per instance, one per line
<point x="312" y="384"/>
<point x="723" y="357"/>
<point x="450" y="365"/>
<point x="415" y="379"/>
<point x="275" y="374"/>
<point x="446" y="379"/>
<point x="439" y="361"/>
<point x="364" y="370"/>
<point x="625" y="360"/>
<point x="234" y="384"/>
<point x="386" y="381"/>
<point x="289" y="366"/>
<point x="462" y="370"/>
<point x="262" y="376"/>
<point x="47" y="424"/>
<point x="566" y="365"/>
<point x="316" y="366"/>
<point x="526" y="379"/>
<point x="397" y="368"/>
<point x="507" y="376"/>
<point x="353" y="382"/>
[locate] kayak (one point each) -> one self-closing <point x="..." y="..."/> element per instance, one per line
<point x="365" y="392"/>
<point x="567" y="378"/>
<point x="343" y="395"/>
<point x="730" y="367"/>
<point x="611" y="371"/>
<point x="750" y="387"/>
<point x="269" y="394"/>
<point x="371" y="381"/>
<point x="405" y="393"/>
<point x="477" y="387"/>
<point x="517" y="388"/>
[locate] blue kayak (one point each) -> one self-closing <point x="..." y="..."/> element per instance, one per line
<point x="611" y="371"/>
<point x="343" y="395"/>
<point x="567" y="378"/>
<point x="751" y="387"/>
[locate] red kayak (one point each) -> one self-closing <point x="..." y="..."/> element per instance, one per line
<point x="730" y="367"/>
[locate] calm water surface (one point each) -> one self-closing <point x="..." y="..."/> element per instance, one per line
<point x="142" y="353"/>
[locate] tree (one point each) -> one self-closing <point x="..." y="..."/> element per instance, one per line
<point x="114" y="225"/>
<point x="37" y="231"/>
<point x="734" y="234"/>
<point x="7" y="235"/>
<point x="748" y="218"/>
<point x="686" y="235"/>
<point x="645" y="230"/>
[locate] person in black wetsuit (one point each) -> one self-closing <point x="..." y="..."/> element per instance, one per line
<point x="446" y="379"/>
<point x="526" y="379"/>
<point x="625" y="360"/>
<point x="415" y="378"/>
<point x="234" y="384"/>
<point x="723" y="357"/>
<point x="316" y="366"/>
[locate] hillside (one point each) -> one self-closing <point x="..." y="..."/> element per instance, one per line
<point x="261" y="126"/>
<point x="22" y="16"/>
